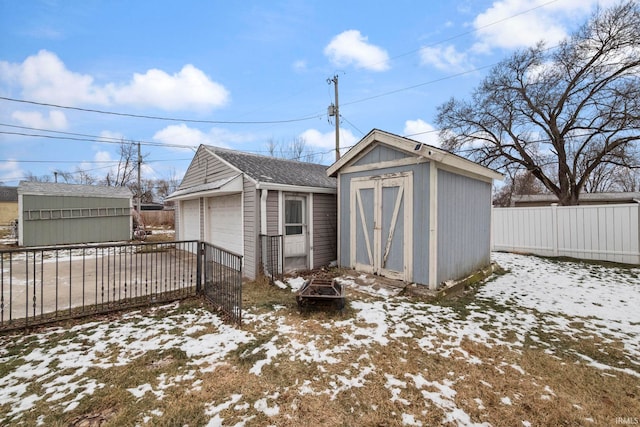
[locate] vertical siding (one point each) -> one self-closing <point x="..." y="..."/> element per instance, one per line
<point x="380" y="153"/>
<point x="73" y="223"/>
<point x="464" y="223"/>
<point x="325" y="229"/>
<point x="420" y="250"/>
<point x="251" y="228"/>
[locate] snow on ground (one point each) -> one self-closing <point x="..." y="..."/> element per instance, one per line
<point x="534" y="295"/>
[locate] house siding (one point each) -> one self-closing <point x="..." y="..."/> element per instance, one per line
<point x="273" y="218"/>
<point x="324" y="229"/>
<point x="251" y="226"/>
<point x="464" y="225"/>
<point x="205" y="168"/>
<point x="380" y="153"/>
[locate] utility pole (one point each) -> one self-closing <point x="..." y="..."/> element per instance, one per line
<point x="334" y="110"/>
<point x="139" y="184"/>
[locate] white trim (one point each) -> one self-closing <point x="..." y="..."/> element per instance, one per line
<point x="294" y="188"/>
<point x="211" y="151"/>
<point x="20" y="221"/>
<point x="339" y="228"/>
<point x="263" y="211"/>
<point x="226" y="186"/>
<point x="409" y="145"/>
<point x="281" y="214"/>
<point x="310" y="230"/>
<point x="433" y="225"/>
<point x="465" y="173"/>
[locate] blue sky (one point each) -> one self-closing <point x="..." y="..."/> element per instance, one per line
<point x="239" y="74"/>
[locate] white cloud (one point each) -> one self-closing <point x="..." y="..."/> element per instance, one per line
<point x="351" y="47"/>
<point x="10" y="171"/>
<point x="422" y="131"/>
<point x="55" y="120"/>
<point x="190" y="137"/>
<point x="506" y="24"/>
<point x="445" y="58"/>
<point x="45" y="78"/>
<point x="327" y="141"/>
<point x="188" y="89"/>
<point x="300" y="65"/>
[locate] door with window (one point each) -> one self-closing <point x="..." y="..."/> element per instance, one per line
<point x="295" y="231"/>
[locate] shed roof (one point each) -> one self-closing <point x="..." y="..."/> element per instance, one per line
<point x="77" y="190"/>
<point x="415" y="148"/>
<point x="585" y="199"/>
<point x="271" y="170"/>
<point x="8" y="194"/>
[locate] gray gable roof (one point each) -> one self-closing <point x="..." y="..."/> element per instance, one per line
<point x="8" y="194"/>
<point x="276" y="171"/>
<point x="55" y="189"/>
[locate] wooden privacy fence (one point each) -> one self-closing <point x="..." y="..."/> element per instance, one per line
<point x="595" y="232"/>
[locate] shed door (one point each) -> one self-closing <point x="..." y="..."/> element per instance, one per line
<point x="225" y="222"/>
<point x="381" y="225"/>
<point x="190" y="220"/>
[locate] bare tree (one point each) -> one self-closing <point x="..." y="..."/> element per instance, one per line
<point x="35" y="178"/>
<point x="517" y="184"/>
<point x="296" y="149"/>
<point x="558" y="113"/>
<point x="125" y="172"/>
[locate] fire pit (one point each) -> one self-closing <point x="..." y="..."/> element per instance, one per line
<point x="320" y="293"/>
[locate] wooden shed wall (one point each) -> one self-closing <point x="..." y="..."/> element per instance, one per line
<point x="464" y="225"/>
<point x="55" y="220"/>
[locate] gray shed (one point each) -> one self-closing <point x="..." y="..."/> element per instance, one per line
<point x="230" y="198"/>
<point x="412" y="212"/>
<point x="55" y="214"/>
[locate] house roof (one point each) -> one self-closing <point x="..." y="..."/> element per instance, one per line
<point x="231" y="184"/>
<point x="415" y="148"/>
<point x="55" y="189"/>
<point x="270" y="170"/>
<point x="8" y="194"/>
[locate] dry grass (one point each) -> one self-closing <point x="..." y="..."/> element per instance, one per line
<point x="542" y="382"/>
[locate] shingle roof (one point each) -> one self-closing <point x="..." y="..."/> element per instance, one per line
<point x="276" y="171"/>
<point x="54" y="189"/>
<point x="8" y="194"/>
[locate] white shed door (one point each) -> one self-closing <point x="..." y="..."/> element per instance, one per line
<point x="225" y="222"/>
<point x="381" y="225"/>
<point x="190" y="220"/>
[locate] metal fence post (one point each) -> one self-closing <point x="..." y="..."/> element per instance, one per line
<point x="199" y="263"/>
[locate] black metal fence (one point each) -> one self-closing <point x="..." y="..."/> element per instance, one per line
<point x="223" y="281"/>
<point x="271" y="256"/>
<point x="45" y="284"/>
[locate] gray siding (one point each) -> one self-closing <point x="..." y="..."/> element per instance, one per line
<point x="325" y="229"/>
<point x="273" y="219"/>
<point x="53" y="220"/>
<point x="420" y="216"/>
<point x="464" y="222"/>
<point x="251" y="224"/>
<point x="205" y="168"/>
<point x="380" y="153"/>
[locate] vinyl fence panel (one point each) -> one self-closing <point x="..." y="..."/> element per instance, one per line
<point x="596" y="232"/>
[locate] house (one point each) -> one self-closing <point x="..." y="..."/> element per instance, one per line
<point x="55" y="214"/>
<point x="616" y="198"/>
<point x="412" y="212"/>
<point x="8" y="204"/>
<point x="230" y="199"/>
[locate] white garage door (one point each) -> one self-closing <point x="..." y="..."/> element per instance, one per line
<point x="225" y="222"/>
<point x="190" y="220"/>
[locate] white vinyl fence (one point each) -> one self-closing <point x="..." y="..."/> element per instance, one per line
<point x="597" y="232"/>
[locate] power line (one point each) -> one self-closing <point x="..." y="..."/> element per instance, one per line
<point x="170" y="119"/>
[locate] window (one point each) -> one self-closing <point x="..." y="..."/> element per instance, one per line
<point x="293" y="216"/>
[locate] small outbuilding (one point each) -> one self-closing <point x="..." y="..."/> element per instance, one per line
<point x="413" y="212"/>
<point x="55" y="214"/>
<point x="259" y="207"/>
<point x="8" y="205"/>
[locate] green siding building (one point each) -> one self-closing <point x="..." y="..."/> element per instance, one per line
<point x="57" y="214"/>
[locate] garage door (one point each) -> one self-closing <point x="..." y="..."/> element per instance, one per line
<point x="190" y="220"/>
<point x="225" y="222"/>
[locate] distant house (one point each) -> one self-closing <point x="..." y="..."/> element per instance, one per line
<point x="8" y="204"/>
<point x="412" y="212"/>
<point x="230" y="198"/>
<point x="532" y="200"/>
<point x="55" y="214"/>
